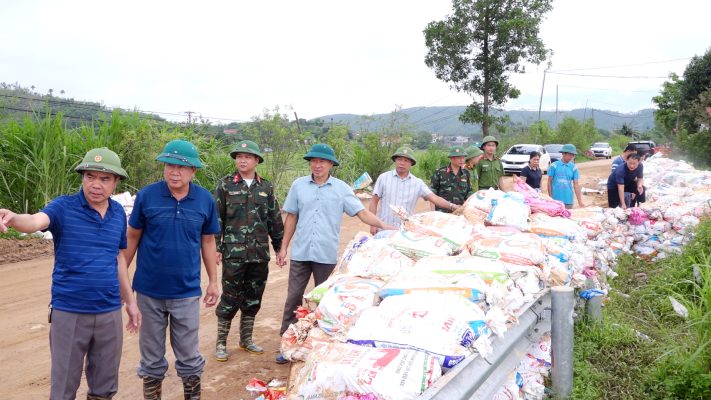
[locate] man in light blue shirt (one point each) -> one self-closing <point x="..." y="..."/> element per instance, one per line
<point x="314" y="207"/>
<point x="563" y="177"/>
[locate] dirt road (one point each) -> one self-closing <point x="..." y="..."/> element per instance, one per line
<point x="25" y="292"/>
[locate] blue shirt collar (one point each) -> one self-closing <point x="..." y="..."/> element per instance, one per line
<point x="328" y="181"/>
<point x="166" y="192"/>
<point x="84" y="203"/>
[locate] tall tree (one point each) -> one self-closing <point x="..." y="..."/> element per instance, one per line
<point x="697" y="80"/>
<point x="668" y="103"/>
<point x="480" y="45"/>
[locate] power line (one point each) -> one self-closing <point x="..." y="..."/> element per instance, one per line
<point x="53" y="114"/>
<point x="609" y="76"/>
<point x="616" y="115"/>
<point x="433" y="114"/>
<point x="614" y="90"/>
<point x="434" y="102"/>
<point x="627" y="65"/>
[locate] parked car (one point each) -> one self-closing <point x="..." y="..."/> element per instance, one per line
<point x="645" y="148"/>
<point x="517" y="156"/>
<point x="601" y="149"/>
<point x="553" y="150"/>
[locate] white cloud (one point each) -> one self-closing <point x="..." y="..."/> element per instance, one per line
<point x="233" y="59"/>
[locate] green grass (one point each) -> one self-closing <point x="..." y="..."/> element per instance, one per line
<point x="13" y="234"/>
<point x="612" y="361"/>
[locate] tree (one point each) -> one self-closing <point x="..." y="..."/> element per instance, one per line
<point x="697" y="79"/>
<point x="477" y="48"/>
<point x="626" y="130"/>
<point x="668" y="103"/>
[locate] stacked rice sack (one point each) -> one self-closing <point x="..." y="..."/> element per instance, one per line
<point x="677" y="197"/>
<point x="440" y="276"/>
<point x="465" y="278"/>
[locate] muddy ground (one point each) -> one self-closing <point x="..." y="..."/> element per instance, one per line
<point x="26" y="267"/>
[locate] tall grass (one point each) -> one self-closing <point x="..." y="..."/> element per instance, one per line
<point x="36" y="163"/>
<point x="673" y="360"/>
<point x="428" y="162"/>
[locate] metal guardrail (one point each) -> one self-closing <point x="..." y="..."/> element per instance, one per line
<point x="481" y="377"/>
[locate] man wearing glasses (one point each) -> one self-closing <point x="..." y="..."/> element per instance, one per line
<point x="173" y="222"/>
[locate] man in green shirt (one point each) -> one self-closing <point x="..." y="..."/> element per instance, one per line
<point x="489" y="168"/>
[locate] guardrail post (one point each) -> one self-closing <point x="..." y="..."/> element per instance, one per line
<point x="593" y="308"/>
<point x="562" y="304"/>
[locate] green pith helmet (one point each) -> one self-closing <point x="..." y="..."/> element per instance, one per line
<point x="180" y="152"/>
<point x="404" y="152"/>
<point x="569" y="148"/>
<point x="473" y="152"/>
<point x="457" y="151"/>
<point x="249" y="147"/>
<point x="488" y="139"/>
<point x="323" y="151"/>
<point x="102" y="160"/>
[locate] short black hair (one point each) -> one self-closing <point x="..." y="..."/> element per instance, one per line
<point x="630" y="147"/>
<point x="534" y="154"/>
<point x="634" y="156"/>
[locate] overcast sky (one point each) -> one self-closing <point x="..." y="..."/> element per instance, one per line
<point x="232" y="59"/>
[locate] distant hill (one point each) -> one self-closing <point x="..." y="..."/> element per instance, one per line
<point x="445" y="120"/>
<point x="17" y="103"/>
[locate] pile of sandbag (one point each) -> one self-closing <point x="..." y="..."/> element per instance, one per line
<point x="405" y="306"/>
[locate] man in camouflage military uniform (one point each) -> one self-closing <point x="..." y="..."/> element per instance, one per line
<point x="452" y="182"/>
<point x="248" y="212"/>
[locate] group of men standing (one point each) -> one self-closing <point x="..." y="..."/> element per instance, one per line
<point x="175" y="223"/>
<point x="468" y="171"/>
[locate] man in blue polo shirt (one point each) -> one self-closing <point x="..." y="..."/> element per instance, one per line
<point x="173" y="222"/>
<point x="89" y="279"/>
<point x="314" y="207"/>
<point x="563" y="177"/>
<point x="626" y="182"/>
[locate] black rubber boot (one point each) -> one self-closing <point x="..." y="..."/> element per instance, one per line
<point x="152" y="388"/>
<point x="191" y="387"/>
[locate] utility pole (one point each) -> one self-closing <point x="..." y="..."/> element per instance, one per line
<point x="540" y="102"/>
<point x="297" y="123"/>
<point x="592" y="114"/>
<point x="556" y="106"/>
<point x="190" y="116"/>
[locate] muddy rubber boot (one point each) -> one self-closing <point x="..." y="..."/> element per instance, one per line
<point x="246" y="327"/>
<point x="152" y="388"/>
<point x="223" y="330"/>
<point x="191" y="387"/>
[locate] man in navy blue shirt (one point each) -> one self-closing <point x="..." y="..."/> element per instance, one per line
<point x="626" y="178"/>
<point x="623" y="157"/>
<point x="172" y="224"/>
<point x="89" y="280"/>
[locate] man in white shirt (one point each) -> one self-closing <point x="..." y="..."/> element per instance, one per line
<point x="399" y="187"/>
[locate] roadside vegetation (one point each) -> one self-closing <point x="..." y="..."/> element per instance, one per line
<point x="643" y="348"/>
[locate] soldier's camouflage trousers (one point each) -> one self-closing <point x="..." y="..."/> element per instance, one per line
<point x="242" y="288"/>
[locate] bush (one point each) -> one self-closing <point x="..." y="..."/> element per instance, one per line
<point x="428" y="162"/>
